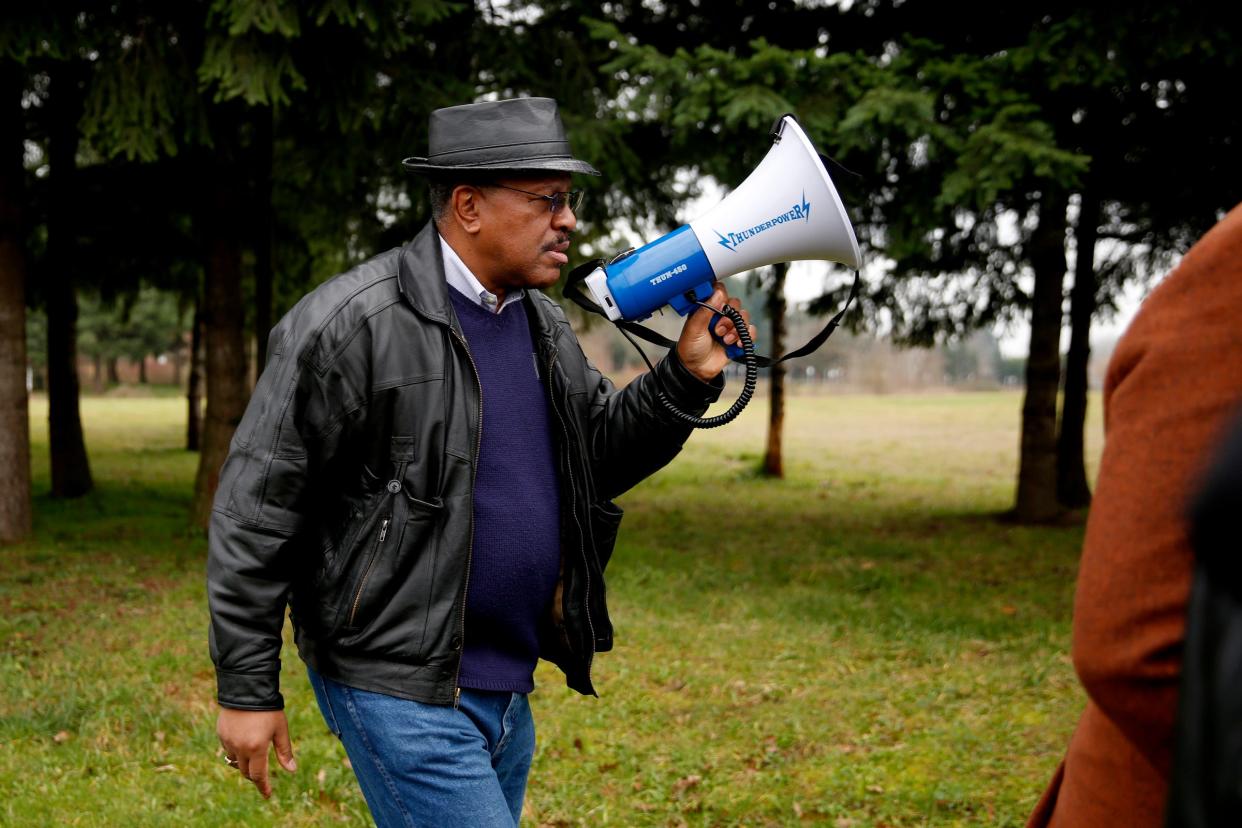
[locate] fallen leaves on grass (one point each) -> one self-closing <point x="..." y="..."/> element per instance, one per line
<point x="686" y="783"/>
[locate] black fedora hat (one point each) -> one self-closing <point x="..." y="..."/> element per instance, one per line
<point x="513" y="135"/>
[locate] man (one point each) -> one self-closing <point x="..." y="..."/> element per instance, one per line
<point x="1172" y="384"/>
<point x="424" y="474"/>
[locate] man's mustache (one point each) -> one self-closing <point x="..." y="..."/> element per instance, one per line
<point x="561" y="239"/>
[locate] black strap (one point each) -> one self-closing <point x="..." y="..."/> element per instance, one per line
<point x="574" y="291"/>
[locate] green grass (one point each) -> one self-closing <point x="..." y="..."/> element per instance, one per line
<point x="861" y="644"/>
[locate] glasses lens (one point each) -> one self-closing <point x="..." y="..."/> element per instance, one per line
<point x="573" y="198"/>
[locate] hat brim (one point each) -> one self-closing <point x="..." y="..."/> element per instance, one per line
<point x="569" y="165"/>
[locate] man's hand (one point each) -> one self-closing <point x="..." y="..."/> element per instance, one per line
<point x="699" y="352"/>
<point x="246" y="735"/>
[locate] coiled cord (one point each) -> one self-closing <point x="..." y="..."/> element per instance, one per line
<point x="748" y="384"/>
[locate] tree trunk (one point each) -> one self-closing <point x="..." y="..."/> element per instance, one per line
<point x="15" y="512"/>
<point x="71" y="471"/>
<point x="1072" y="489"/>
<point x="265" y="236"/>
<point x="223" y="320"/>
<point x="142" y="371"/>
<point x="773" y="464"/>
<point x="98" y="377"/>
<point x="193" y="395"/>
<point x="114" y="375"/>
<point x="1037" y="470"/>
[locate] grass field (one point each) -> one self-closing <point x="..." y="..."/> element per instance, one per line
<point x="861" y="644"/>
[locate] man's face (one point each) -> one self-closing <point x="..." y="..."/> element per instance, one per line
<point x="522" y="241"/>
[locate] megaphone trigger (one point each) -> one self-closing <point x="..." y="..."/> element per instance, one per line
<point x="733" y="351"/>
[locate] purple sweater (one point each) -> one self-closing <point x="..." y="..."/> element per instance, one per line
<point x="515" y="559"/>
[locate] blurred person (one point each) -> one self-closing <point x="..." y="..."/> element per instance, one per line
<point x="425" y="475"/>
<point x="1172" y="382"/>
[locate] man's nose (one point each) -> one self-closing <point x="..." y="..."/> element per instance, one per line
<point x="564" y="219"/>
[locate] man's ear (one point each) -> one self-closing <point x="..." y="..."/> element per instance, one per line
<point x="464" y="204"/>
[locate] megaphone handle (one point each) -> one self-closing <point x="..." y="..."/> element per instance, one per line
<point x="733" y="351"/>
<point x="688" y="302"/>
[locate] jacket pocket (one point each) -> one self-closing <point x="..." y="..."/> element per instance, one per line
<point x="317" y="600"/>
<point x="605" y="521"/>
<point x="345" y="538"/>
<point x="392" y="587"/>
<point x="337" y="550"/>
<point x="364" y="575"/>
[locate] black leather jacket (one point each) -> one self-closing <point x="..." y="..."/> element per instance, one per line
<point x="347" y="490"/>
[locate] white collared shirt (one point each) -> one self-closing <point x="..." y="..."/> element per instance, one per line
<point x="468" y="285"/>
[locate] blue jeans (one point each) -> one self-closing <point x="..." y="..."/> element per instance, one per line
<point x="427" y="765"/>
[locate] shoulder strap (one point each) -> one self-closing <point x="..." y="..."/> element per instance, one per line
<point x="574" y="291"/>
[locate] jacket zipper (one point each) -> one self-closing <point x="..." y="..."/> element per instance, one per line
<point x="573" y="491"/>
<point x="474" y="468"/>
<point x="353" y="611"/>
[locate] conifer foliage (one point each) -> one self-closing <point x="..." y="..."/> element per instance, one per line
<point x="234" y="152"/>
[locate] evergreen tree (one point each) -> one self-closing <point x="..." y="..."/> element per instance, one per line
<point x="1136" y="90"/>
<point x="70" y="466"/>
<point x="338" y="61"/>
<point x="49" y="46"/>
<point x="15" y="511"/>
<point x="987" y="132"/>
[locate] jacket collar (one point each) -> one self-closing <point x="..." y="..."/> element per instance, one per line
<point x="420" y="276"/>
<point x="422" y="283"/>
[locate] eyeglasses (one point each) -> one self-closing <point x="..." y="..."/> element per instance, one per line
<point x="556" y="201"/>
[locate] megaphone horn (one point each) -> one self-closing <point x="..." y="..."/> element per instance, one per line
<point x="787" y="209"/>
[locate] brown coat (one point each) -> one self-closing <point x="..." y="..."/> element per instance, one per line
<point x="1172" y="383"/>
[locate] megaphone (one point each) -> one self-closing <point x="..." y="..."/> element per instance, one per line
<point x="787" y="209"/>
